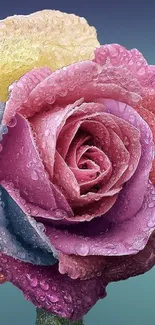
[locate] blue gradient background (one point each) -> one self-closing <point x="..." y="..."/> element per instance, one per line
<point x="131" y="24"/>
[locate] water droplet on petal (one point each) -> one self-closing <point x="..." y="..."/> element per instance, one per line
<point x="131" y="167"/>
<point x="34" y="175"/>
<point x="33" y="280"/>
<point x="54" y="288"/>
<point x="88" y="299"/>
<point x="41" y="226"/>
<point x="59" y="213"/>
<point x="47" y="133"/>
<point x="4" y="260"/>
<point x="44" y="285"/>
<point x="68" y="297"/>
<point x="42" y="298"/>
<point x="151" y="223"/>
<point x="12" y="122"/>
<point x="141" y="71"/>
<point x="21" y="255"/>
<point x="82" y="249"/>
<point x="131" y="62"/>
<point x="151" y="205"/>
<point x="2" y="204"/>
<point x="53" y="298"/>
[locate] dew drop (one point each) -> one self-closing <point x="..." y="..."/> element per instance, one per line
<point x="131" y="167"/>
<point x="4" y="260"/>
<point x="59" y="213"/>
<point x="126" y="141"/>
<point x="151" y="205"/>
<point x="68" y="298"/>
<point x="44" y="285"/>
<point x="141" y="71"/>
<point x="42" y="298"/>
<point x="12" y="122"/>
<point x="33" y="280"/>
<point x="82" y="249"/>
<point x="41" y="226"/>
<point x="54" y="288"/>
<point x="151" y="223"/>
<point x="53" y="298"/>
<point x="34" y="175"/>
<point x="131" y="62"/>
<point x="135" y="97"/>
<point x="131" y="118"/>
<point x="21" y="255"/>
<point x="88" y="299"/>
<point x="47" y="133"/>
<point x="2" y="204"/>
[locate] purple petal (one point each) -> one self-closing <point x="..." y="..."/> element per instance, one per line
<point x="50" y="290"/>
<point x="123" y="267"/>
<point x="125" y="207"/>
<point x="103" y="238"/>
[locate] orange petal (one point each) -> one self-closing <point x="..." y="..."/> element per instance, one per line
<point x="2" y="279"/>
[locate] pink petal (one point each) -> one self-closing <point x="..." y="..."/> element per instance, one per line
<point x="133" y="60"/>
<point x="46" y="127"/>
<point x="86" y="80"/>
<point x="22" y="166"/>
<point x="46" y="288"/>
<point x="67" y="182"/>
<point x="21" y="89"/>
<point x="83" y="267"/>
<point x="82" y="80"/>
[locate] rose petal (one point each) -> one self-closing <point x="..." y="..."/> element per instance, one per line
<point x="136" y="187"/>
<point x="27" y="172"/>
<point x="46" y="127"/>
<point x="50" y="290"/>
<point x="83" y="267"/>
<point x="21" y="89"/>
<point x="122" y="267"/>
<point x="82" y="80"/>
<point x="133" y="60"/>
<point x="104" y="238"/>
<point x="44" y="38"/>
<point x="20" y="236"/>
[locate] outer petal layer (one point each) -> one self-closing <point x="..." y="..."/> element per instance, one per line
<point x="50" y="290"/>
<point x="124" y="267"/>
<point x="20" y="236"/>
<point x="104" y="238"/>
<point x="45" y="38"/>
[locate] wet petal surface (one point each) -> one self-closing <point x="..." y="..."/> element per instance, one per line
<point x="46" y="288"/>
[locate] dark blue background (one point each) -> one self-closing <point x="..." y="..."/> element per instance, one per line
<point x="131" y="24"/>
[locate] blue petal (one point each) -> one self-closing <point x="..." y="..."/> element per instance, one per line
<point x="20" y="236"/>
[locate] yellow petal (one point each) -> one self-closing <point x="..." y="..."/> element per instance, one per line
<point x="46" y="38"/>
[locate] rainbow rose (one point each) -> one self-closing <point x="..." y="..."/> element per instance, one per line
<point x="77" y="169"/>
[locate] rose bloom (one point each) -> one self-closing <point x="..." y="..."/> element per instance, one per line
<point x="77" y="175"/>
